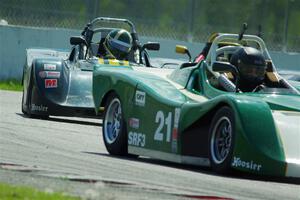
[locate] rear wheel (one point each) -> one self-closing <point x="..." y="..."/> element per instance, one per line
<point x="221" y="140"/>
<point x="24" y="103"/>
<point x="114" y="127"/>
<point x="28" y="102"/>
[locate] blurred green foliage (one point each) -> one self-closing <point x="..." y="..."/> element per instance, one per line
<point x="9" y="192"/>
<point x="11" y="84"/>
<point x="191" y="20"/>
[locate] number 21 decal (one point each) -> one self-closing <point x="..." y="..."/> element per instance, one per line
<point x="163" y="121"/>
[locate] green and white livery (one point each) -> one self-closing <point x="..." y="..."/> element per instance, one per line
<point x="195" y="115"/>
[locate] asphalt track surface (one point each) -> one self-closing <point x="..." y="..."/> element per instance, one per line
<point x="68" y="154"/>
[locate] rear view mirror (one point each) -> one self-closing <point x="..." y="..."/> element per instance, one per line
<point x="154" y="46"/>
<point x="75" y="40"/>
<point x="183" y="50"/>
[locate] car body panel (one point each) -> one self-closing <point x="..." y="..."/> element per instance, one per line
<point x="166" y="118"/>
<point x="57" y="87"/>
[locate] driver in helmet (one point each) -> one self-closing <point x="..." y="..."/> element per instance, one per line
<point x="117" y="44"/>
<point x="251" y="65"/>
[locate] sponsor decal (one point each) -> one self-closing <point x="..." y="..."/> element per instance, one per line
<point x="140" y="98"/>
<point x="174" y="144"/>
<point x="175" y="130"/>
<point x="40" y="108"/>
<point x="114" y="62"/>
<point x="48" y="66"/>
<point x="134" y="123"/>
<point x="42" y="74"/>
<point x="251" y="165"/>
<point x="52" y="74"/>
<point x="50" y="83"/>
<point x="174" y="134"/>
<point x="136" y="139"/>
<point x="49" y="74"/>
<point x="176" y="117"/>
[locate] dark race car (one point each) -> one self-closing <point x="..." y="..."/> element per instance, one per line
<point x="59" y="83"/>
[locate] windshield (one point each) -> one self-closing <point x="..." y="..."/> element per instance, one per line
<point x="284" y="91"/>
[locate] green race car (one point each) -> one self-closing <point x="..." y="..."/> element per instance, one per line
<point x="196" y="114"/>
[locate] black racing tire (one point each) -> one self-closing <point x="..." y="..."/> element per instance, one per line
<point x="24" y="111"/>
<point x="221" y="140"/>
<point x="22" y="81"/>
<point x="29" y="95"/>
<point x="114" y="127"/>
<point x="28" y="102"/>
<point x="22" y="105"/>
<point x="27" y="111"/>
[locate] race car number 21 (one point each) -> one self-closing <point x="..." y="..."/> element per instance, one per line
<point x="162" y="122"/>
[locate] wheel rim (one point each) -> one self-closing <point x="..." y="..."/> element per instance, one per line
<point x="221" y="140"/>
<point x="112" y="122"/>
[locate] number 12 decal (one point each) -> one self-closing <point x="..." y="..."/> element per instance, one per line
<point x="163" y="121"/>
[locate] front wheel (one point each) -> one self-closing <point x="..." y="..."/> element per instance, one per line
<point x="114" y="127"/>
<point x="221" y="140"/>
<point x="22" y="105"/>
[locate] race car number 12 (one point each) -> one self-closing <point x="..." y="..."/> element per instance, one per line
<point x="162" y="120"/>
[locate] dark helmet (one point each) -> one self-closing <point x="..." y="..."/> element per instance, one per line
<point x="251" y="65"/>
<point x="118" y="43"/>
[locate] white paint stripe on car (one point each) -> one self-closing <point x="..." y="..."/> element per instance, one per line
<point x="288" y="126"/>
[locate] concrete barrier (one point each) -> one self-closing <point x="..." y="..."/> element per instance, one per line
<point x="15" y="39"/>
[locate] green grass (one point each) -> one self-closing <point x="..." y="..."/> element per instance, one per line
<point x="11" y="84"/>
<point x="8" y="192"/>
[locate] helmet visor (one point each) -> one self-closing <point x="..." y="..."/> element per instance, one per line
<point x="119" y="45"/>
<point x="252" y="70"/>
